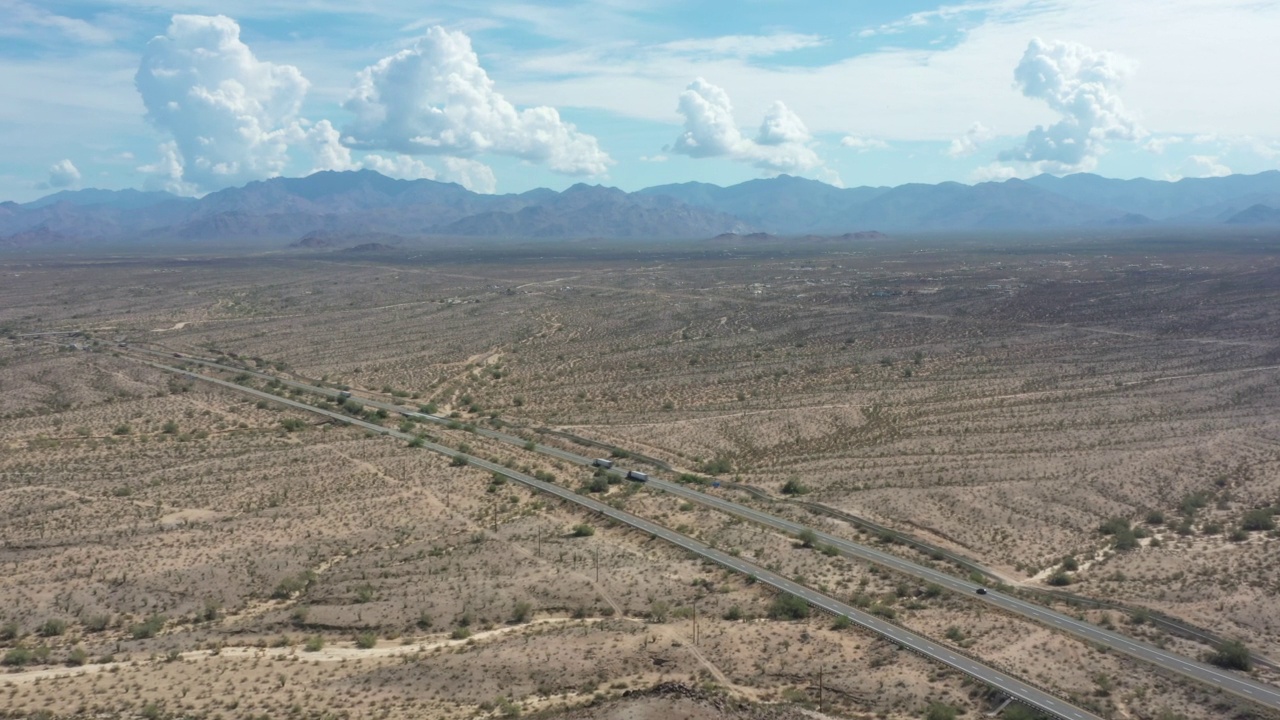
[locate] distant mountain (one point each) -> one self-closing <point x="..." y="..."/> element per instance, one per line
<point x="340" y="209"/>
<point x="594" y="211"/>
<point x="1256" y="215"/>
<point x="127" y="199"/>
<point x="783" y="204"/>
<point x="1160" y="199"/>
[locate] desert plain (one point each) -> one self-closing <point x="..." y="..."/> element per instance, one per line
<point x="1097" y="414"/>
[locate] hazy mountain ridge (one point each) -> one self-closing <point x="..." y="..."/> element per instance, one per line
<point x="363" y="202"/>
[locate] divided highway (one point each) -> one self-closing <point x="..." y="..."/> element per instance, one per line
<point x="1237" y="684"/>
<point x="1008" y="684"/>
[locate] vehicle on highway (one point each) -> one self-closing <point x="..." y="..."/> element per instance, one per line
<point x="344" y="395"/>
<point x="602" y="463"/>
<point x="637" y="476"/>
<point x="982" y="591"/>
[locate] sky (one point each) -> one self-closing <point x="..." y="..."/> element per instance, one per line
<point x="505" y="96"/>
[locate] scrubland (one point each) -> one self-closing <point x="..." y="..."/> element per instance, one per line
<point x="1095" y="414"/>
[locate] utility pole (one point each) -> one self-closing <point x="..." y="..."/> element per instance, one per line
<point x="597" y="565"/>
<point x="820" y="668"/>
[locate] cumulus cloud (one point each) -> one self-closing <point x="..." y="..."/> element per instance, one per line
<point x="434" y="98"/>
<point x="863" y="144"/>
<point x="1160" y="144"/>
<point x="63" y="174"/>
<point x="230" y="115"/>
<point x="782" y="144"/>
<point x="1207" y="166"/>
<point x="1079" y="83"/>
<point x="967" y="144"/>
<point x="470" y="174"/>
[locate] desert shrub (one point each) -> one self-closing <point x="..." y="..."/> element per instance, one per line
<point x="18" y="656"/>
<point x="147" y="628"/>
<point x="460" y="633"/>
<point x="583" y="530"/>
<point x="733" y="613"/>
<point x="290" y="586"/>
<point x="97" y="623"/>
<point x="807" y="537"/>
<point x="364" y="594"/>
<point x="459" y="461"/>
<point x="1232" y="655"/>
<point x="1059" y="579"/>
<point x="170" y="428"/>
<point x="842" y="622"/>
<point x="121" y="430"/>
<point x="659" y="610"/>
<point x="77" y="656"/>
<point x="788" y="607"/>
<point x="940" y="711"/>
<point x="366" y="640"/>
<point x="1069" y="564"/>
<point x="717" y="466"/>
<point x="53" y="627"/>
<point x="1155" y="517"/>
<point x="1258" y="520"/>
<point x="424" y="620"/>
<point x="315" y="643"/>
<point x="1114" y="526"/>
<point x="794" y="487"/>
<point x="521" y="612"/>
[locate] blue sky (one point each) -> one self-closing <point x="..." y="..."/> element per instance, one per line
<point x="507" y="96"/>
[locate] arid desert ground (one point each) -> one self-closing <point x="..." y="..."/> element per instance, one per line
<point x="1096" y="414"/>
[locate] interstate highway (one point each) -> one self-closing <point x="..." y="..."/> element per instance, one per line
<point x="1011" y="686"/>
<point x="1237" y="684"/>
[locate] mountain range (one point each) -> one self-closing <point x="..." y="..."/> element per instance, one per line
<point x="333" y="205"/>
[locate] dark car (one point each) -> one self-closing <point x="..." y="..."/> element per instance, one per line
<point x="982" y="591"/>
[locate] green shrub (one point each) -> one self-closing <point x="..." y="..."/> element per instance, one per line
<point x="366" y="640"/>
<point x="315" y="643"/>
<point x="788" y="607"/>
<point x="733" y="613"/>
<point x="147" y="628"/>
<point x="460" y="633"/>
<point x="794" y="487"/>
<point x="583" y="530"/>
<point x="53" y="627"/>
<point x="940" y="711"/>
<point x="18" y="656"/>
<point x="1232" y="655"/>
<point x="1258" y="520"/>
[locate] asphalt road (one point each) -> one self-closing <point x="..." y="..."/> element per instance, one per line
<point x="1012" y="686"/>
<point x="1235" y="683"/>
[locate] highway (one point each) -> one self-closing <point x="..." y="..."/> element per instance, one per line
<point x="1238" y="684"/>
<point x="1019" y="690"/>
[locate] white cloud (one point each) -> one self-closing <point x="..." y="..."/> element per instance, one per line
<point x="744" y="46"/>
<point x="1080" y="84"/>
<point x="863" y="144"/>
<point x="63" y="174"/>
<point x="166" y="172"/>
<point x="401" y="167"/>
<point x="229" y="114"/>
<point x="782" y="144"/>
<point x="967" y="144"/>
<point x="20" y="17"/>
<point x="995" y="172"/>
<point x="659" y="158"/>
<point x="470" y="174"/>
<point x="434" y="98"/>
<point x="1207" y="166"/>
<point x="1158" y="145"/>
